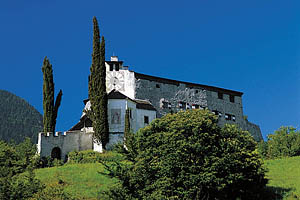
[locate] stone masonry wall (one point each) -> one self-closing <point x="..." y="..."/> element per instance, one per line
<point x="159" y="93"/>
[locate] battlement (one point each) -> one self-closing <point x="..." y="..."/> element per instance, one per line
<point x="58" y="133"/>
<point x="63" y="142"/>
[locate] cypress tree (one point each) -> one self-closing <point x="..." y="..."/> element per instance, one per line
<point x="127" y="125"/>
<point x="50" y="109"/>
<point x="97" y="89"/>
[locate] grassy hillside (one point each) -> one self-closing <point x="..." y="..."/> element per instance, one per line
<point x="284" y="177"/>
<point x="18" y="119"/>
<point x="83" y="181"/>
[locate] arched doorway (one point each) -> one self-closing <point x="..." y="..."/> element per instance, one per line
<point x="56" y="153"/>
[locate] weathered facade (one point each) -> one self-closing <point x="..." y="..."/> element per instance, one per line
<point x="147" y="97"/>
<point x="170" y="96"/>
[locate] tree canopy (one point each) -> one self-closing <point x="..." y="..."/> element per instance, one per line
<point x="188" y="156"/>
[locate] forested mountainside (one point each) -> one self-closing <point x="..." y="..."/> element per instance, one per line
<point x="18" y="119"/>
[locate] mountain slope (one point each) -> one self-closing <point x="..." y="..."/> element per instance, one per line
<point x="18" y="119"/>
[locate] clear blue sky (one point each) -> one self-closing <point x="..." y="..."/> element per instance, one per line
<point x="249" y="46"/>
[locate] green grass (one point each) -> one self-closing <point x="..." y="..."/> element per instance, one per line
<point x="284" y="177"/>
<point x="82" y="181"/>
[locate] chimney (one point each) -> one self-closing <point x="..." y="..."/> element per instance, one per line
<point x="114" y="58"/>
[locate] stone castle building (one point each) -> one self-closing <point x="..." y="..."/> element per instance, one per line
<point x="147" y="97"/>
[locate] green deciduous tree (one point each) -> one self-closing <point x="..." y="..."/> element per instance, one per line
<point x="284" y="142"/>
<point x="188" y="156"/>
<point x="50" y="109"/>
<point x="97" y="89"/>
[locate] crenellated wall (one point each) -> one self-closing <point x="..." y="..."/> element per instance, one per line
<point x="65" y="141"/>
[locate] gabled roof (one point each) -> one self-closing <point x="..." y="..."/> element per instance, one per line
<point x="140" y="104"/>
<point x="115" y="94"/>
<point x="84" y="122"/>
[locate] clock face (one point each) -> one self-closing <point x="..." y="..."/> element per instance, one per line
<point x="115" y="80"/>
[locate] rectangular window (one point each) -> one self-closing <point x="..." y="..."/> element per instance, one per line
<point x="169" y="105"/>
<point x="157" y="86"/>
<point x="187" y="106"/>
<point x="220" y="95"/>
<point x="111" y="67"/>
<point x="231" y="98"/>
<point x="233" y="118"/>
<point x="146" y="119"/>
<point x="228" y="116"/>
<point x="130" y="113"/>
<point x="164" y="104"/>
<point x="195" y="106"/>
<point x="181" y="104"/>
<point x="117" y="67"/>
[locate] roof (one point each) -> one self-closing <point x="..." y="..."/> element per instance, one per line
<point x="188" y="84"/>
<point x="145" y="105"/>
<point x="84" y="122"/>
<point x="115" y="94"/>
<point x="140" y="104"/>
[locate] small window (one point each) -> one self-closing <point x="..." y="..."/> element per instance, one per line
<point x="195" y="106"/>
<point x="130" y="113"/>
<point x="231" y="98"/>
<point x="111" y="67"/>
<point x="215" y="112"/>
<point x="169" y="105"/>
<point x="196" y="91"/>
<point x="228" y="116"/>
<point x="117" y="67"/>
<point x="233" y="118"/>
<point x="220" y="95"/>
<point x="146" y="119"/>
<point x="157" y="86"/>
<point x="181" y="104"/>
<point x="187" y="106"/>
<point x="164" y="104"/>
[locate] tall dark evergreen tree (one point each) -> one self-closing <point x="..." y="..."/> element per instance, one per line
<point x="127" y="124"/>
<point x="50" y="109"/>
<point x="97" y="89"/>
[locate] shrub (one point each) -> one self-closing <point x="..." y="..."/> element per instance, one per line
<point x="188" y="156"/>
<point x="90" y="156"/>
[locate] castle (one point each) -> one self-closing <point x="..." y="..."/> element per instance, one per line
<point x="147" y="97"/>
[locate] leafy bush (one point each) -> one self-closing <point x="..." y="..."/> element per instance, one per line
<point x="90" y="156"/>
<point x="54" y="192"/>
<point x="188" y="156"/>
<point x="17" y="180"/>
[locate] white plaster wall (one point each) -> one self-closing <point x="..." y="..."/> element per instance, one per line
<point x="116" y="104"/>
<point x="140" y="117"/>
<point x="71" y="141"/>
<point x="129" y="81"/>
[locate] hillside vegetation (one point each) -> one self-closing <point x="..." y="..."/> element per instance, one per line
<point x="18" y="119"/>
<point x="83" y="181"/>
<point x="284" y="177"/>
